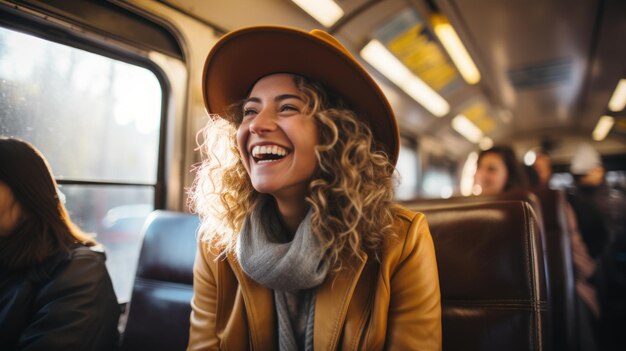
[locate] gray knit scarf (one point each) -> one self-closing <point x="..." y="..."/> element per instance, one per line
<point x="291" y="268"/>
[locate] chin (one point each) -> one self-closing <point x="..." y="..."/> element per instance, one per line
<point x="263" y="188"/>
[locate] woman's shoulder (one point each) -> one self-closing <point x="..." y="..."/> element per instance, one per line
<point x="405" y="219"/>
<point x="87" y="262"/>
<point x="409" y="228"/>
<point x="88" y="253"/>
<point x="80" y="266"/>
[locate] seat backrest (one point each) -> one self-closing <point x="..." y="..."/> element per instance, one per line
<point x="158" y="318"/>
<point x="491" y="271"/>
<point x="549" y="206"/>
<point x="514" y="195"/>
<point x="560" y="267"/>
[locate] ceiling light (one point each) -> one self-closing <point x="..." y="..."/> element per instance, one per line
<point x="618" y="100"/>
<point x="453" y="45"/>
<point x="467" y="174"/>
<point x="530" y="157"/>
<point x="485" y="143"/>
<point x="466" y="128"/>
<point x="605" y="123"/>
<point x="326" y="12"/>
<point x="386" y="63"/>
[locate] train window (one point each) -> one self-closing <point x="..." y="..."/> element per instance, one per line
<point x="407" y="171"/>
<point x="438" y="183"/>
<point x="561" y="181"/>
<point x="97" y="120"/>
<point x="616" y="179"/>
<point x="439" y="178"/>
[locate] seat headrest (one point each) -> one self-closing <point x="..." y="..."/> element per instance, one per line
<point x="169" y="237"/>
<point x="486" y="250"/>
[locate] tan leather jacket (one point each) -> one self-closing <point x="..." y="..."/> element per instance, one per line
<point x="394" y="305"/>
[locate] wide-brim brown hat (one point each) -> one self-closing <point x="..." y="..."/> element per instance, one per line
<point x="240" y="58"/>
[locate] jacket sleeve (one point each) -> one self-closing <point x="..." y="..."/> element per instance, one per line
<point x="415" y="303"/>
<point x="76" y="310"/>
<point x="202" y="333"/>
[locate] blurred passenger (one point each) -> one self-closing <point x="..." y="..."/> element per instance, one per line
<point x="55" y="292"/>
<point x="600" y="212"/>
<point x="588" y="307"/>
<point x="498" y="171"/>
<point x="308" y="251"/>
<point x="543" y="169"/>
<point x="584" y="264"/>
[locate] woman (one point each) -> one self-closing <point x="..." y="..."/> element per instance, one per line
<point x="55" y="292"/>
<point x="301" y="246"/>
<point x="498" y="171"/>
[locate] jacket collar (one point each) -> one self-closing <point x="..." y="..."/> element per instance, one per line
<point x="332" y="299"/>
<point x="261" y="319"/>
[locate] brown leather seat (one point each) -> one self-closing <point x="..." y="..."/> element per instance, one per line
<point x="514" y="195"/>
<point x="493" y="291"/>
<point x="491" y="271"/>
<point x="561" y="268"/>
<point x="159" y="312"/>
<point x="549" y="206"/>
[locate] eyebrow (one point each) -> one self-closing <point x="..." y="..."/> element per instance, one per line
<point x="277" y="98"/>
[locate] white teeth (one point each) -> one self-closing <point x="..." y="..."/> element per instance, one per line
<point x="270" y="149"/>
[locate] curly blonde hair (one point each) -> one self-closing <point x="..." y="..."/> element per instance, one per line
<point x="351" y="194"/>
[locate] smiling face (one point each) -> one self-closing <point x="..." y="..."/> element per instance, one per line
<point x="277" y="140"/>
<point x="491" y="174"/>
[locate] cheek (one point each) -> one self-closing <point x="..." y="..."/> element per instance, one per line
<point x="502" y="176"/>
<point x="479" y="176"/>
<point x="240" y="135"/>
<point x="312" y="142"/>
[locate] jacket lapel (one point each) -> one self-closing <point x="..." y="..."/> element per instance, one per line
<point x="332" y="300"/>
<point x="260" y="308"/>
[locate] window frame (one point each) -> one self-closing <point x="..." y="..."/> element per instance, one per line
<point x="35" y="24"/>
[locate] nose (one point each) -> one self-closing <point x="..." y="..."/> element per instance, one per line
<point x="263" y="122"/>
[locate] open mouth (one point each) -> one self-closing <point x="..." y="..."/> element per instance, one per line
<point x="268" y="153"/>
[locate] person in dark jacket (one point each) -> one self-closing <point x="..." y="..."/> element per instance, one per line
<point x="600" y="211"/>
<point x="55" y="292"/>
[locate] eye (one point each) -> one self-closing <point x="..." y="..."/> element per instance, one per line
<point x="288" y="108"/>
<point x="249" y="112"/>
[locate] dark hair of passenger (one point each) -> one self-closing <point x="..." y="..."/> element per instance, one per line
<point x="516" y="176"/>
<point x="46" y="228"/>
<point x="532" y="176"/>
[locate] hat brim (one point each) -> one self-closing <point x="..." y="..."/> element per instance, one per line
<point x="242" y="57"/>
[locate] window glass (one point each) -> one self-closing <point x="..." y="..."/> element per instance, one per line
<point x="561" y="181"/>
<point x="407" y="168"/>
<point x="115" y="214"/>
<point x="438" y="183"/>
<point x="616" y="179"/>
<point x="438" y="178"/>
<point x="96" y="120"/>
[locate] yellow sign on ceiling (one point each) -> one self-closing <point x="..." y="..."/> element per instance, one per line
<point x="412" y="42"/>
<point x="423" y="57"/>
<point x="479" y="115"/>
